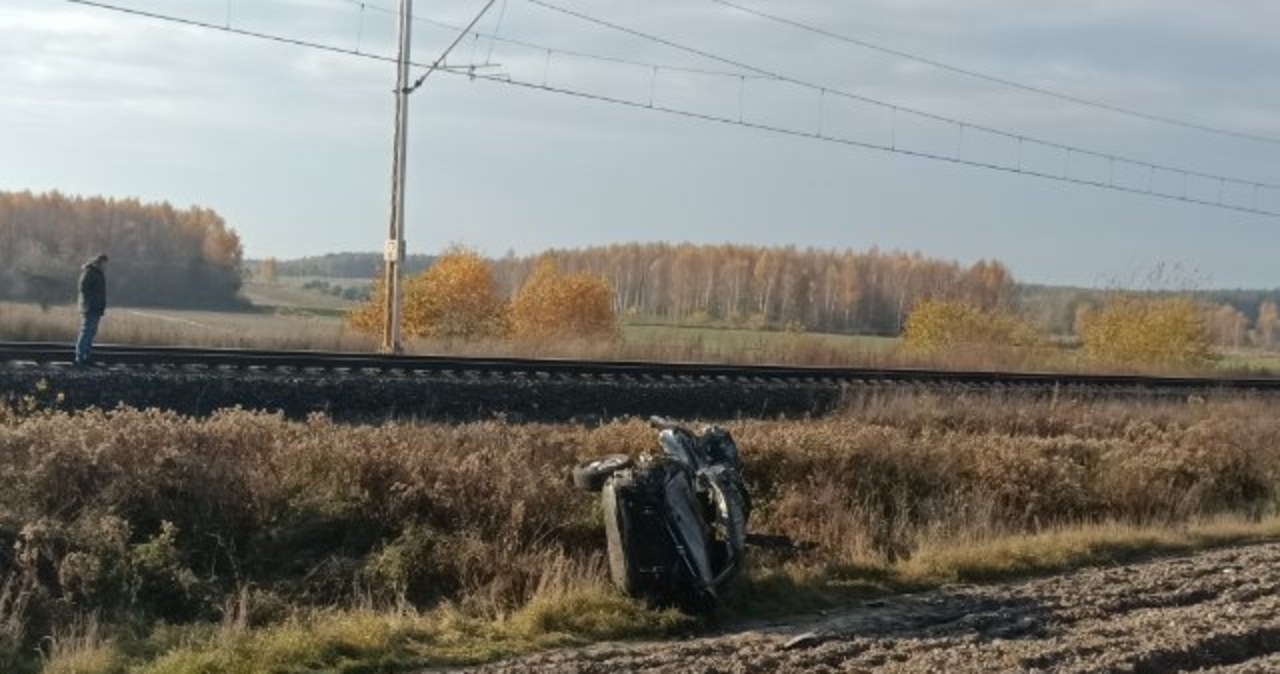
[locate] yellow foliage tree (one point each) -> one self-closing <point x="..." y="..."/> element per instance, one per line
<point x="943" y="324"/>
<point x="368" y="316"/>
<point x="1227" y="325"/>
<point x="1134" y="330"/>
<point x="1268" y="324"/>
<point x="456" y="297"/>
<point x="552" y="304"/>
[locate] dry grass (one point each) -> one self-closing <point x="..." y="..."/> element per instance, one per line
<point x="278" y="329"/>
<point x="301" y="329"/>
<point x="15" y="595"/>
<point x="975" y="558"/>
<point x="80" y="648"/>
<point x="268" y="540"/>
<point x="405" y="639"/>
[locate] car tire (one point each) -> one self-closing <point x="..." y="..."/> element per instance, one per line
<point x="591" y="475"/>
<point x="618" y="529"/>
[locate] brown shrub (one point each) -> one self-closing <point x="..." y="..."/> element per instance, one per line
<point x="145" y="515"/>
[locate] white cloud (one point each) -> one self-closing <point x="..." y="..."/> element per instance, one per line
<point x="108" y="102"/>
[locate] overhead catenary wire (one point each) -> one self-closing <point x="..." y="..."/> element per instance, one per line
<point x="1183" y="197"/>
<point x="542" y="48"/>
<point x="270" y="37"/>
<point x="497" y="29"/>
<point x="818" y="135"/>
<point x="893" y="107"/>
<point x="298" y="42"/>
<point x="969" y="72"/>
<point x="445" y="54"/>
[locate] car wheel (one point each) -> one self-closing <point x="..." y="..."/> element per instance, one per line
<point x="618" y="529"/>
<point x="591" y="475"/>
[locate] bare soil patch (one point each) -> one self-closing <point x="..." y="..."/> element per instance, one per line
<point x="1215" y="611"/>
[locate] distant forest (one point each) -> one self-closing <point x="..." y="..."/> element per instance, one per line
<point x="781" y="287"/>
<point x="341" y="265"/>
<point x="160" y="255"/>
<point x="1055" y="307"/>
<point x="868" y="292"/>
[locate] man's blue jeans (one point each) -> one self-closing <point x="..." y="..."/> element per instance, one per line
<point x="88" y="330"/>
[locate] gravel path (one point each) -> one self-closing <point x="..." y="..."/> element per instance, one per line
<point x="1216" y="611"/>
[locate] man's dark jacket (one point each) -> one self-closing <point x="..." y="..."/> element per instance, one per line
<point x="93" y="290"/>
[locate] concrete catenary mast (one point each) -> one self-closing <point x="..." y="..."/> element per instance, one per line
<point x="395" y="246"/>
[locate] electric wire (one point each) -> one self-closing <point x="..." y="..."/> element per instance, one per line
<point x="296" y="42"/>
<point x="497" y="29"/>
<point x="951" y="159"/>
<point x="895" y="108"/>
<point x="542" y="48"/>
<point x="968" y="72"/>
<point x="445" y="54"/>
<point x="470" y="72"/>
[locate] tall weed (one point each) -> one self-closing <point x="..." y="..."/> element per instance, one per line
<point x="243" y="521"/>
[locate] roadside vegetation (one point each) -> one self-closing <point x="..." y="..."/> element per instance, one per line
<point x="146" y="541"/>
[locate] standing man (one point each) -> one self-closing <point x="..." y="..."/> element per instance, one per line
<point x="93" y="303"/>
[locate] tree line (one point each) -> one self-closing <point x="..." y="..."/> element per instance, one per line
<point x="334" y="265"/>
<point x="772" y="287"/>
<point x="160" y="255"/>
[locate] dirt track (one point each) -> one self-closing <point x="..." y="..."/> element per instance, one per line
<point x="1217" y="611"/>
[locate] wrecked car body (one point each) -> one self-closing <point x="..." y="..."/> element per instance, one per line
<point x="675" y="520"/>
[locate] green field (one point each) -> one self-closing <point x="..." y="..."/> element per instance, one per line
<point x="1252" y="360"/>
<point x="290" y="293"/>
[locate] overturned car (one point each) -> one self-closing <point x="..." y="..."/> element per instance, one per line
<point x="675" y="520"/>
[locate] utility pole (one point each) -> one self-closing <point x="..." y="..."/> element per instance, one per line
<point x="395" y="247"/>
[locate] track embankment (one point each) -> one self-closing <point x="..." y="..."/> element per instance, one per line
<point x="363" y="386"/>
<point x="461" y="396"/>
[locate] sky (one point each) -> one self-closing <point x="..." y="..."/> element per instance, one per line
<point x="292" y="146"/>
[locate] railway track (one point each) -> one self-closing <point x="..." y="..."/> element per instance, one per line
<point x="329" y="362"/>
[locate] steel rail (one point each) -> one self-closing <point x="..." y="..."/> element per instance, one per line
<point x="44" y="353"/>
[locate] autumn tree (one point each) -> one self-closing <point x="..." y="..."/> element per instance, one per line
<point x="160" y="255"/>
<point x="370" y="316"/>
<point x="1140" y="330"/>
<point x="1227" y="325"/>
<point x="555" y="304"/>
<point x="1267" y="326"/>
<point x="455" y="298"/>
<point x="1080" y="318"/>
<point x="268" y="270"/>
<point x="945" y="324"/>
